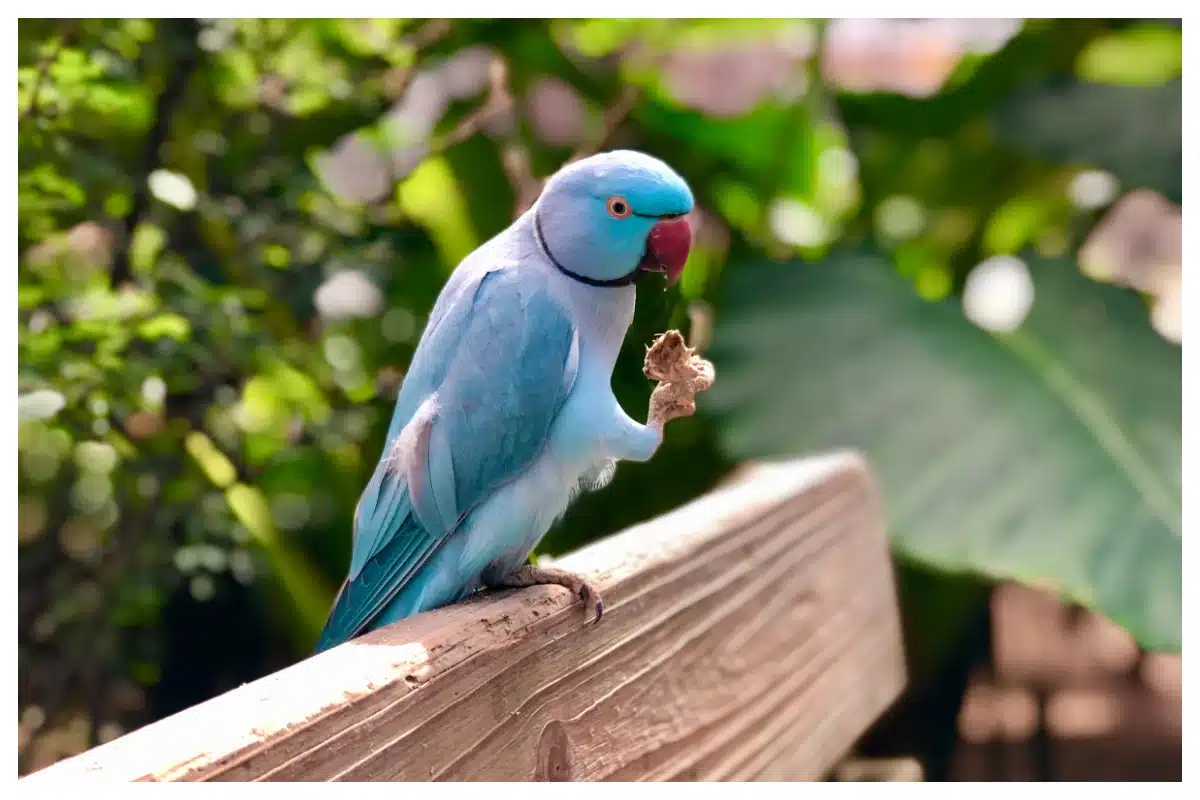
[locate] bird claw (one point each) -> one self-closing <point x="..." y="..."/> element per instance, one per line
<point x="530" y="575"/>
<point x="591" y="599"/>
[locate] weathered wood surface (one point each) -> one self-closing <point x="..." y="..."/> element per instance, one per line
<point x="752" y="634"/>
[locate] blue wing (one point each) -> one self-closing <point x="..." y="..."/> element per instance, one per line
<point x="503" y="380"/>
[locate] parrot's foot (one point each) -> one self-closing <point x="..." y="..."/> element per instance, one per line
<point x="530" y="575"/>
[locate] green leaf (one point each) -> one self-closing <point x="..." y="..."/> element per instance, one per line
<point x="601" y="37"/>
<point x="216" y="465"/>
<point x="1050" y="455"/>
<point x="148" y="242"/>
<point x="1013" y="225"/>
<point x="772" y="143"/>
<point x="434" y="198"/>
<point x="173" y="326"/>
<point x="30" y="296"/>
<point x="1140" y="55"/>
<point x="301" y="391"/>
<point x="1135" y="132"/>
<point x="307" y="592"/>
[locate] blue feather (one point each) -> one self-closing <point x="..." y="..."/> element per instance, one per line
<point x="504" y="383"/>
<point x="492" y="434"/>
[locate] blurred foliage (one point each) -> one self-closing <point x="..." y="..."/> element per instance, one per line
<point x="231" y="233"/>
<point x="1049" y="454"/>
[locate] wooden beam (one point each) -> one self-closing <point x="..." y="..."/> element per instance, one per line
<point x="860" y="770"/>
<point x="751" y="634"/>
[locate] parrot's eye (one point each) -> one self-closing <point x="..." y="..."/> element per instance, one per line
<point x="618" y="207"/>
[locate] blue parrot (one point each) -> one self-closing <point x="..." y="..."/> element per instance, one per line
<point x="507" y="409"/>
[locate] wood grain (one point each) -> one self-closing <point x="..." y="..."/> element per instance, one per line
<point x="751" y="634"/>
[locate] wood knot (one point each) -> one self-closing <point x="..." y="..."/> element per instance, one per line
<point x="554" y="762"/>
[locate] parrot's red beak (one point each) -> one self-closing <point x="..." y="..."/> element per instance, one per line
<point x="667" y="248"/>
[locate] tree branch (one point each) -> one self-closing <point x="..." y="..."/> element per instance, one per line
<point x="185" y="58"/>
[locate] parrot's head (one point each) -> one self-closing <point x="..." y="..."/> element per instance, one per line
<point x="614" y="216"/>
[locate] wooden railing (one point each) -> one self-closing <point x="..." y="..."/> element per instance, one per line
<point x="751" y="634"/>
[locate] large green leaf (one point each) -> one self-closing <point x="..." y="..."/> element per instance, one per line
<point x="1048" y="455"/>
<point x="1135" y="132"/>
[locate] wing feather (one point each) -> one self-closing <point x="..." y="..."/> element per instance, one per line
<point x="486" y="420"/>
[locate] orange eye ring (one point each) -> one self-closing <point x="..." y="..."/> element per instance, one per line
<point x="618" y="207"/>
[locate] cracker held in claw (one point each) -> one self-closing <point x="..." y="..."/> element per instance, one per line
<point x="680" y="374"/>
